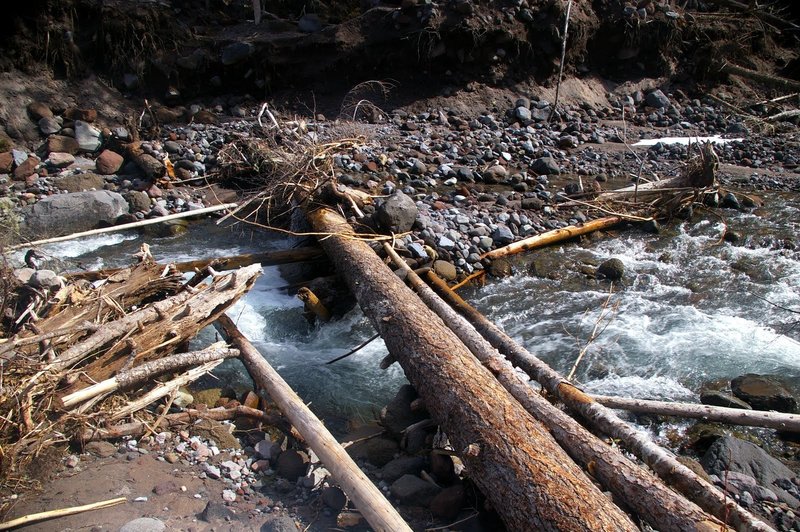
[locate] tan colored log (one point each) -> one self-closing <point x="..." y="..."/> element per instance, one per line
<point x="266" y="258"/>
<point x="640" y="490"/>
<point x="176" y="420"/>
<point x="61" y="512"/>
<point x="734" y="416"/>
<point x="141" y="374"/>
<point x="528" y="478"/>
<point x="551" y="237"/>
<point x="313" y="304"/>
<point x="767" y="79"/>
<point x="125" y="227"/>
<point x="662" y="462"/>
<point x="367" y="498"/>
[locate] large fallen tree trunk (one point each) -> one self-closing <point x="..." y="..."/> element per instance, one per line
<point x="640" y="490"/>
<point x="367" y="498"/>
<point x="529" y="479"/>
<point x="734" y="416"/>
<point x="601" y="418"/>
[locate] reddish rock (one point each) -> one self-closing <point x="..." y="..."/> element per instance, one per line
<point x="165" y="115"/>
<point x="448" y="503"/>
<point x="86" y="115"/>
<point x="31" y="180"/>
<point x="205" y="117"/>
<point x="61" y="143"/>
<point x="372" y="166"/>
<point x="108" y="162"/>
<point x="6" y="162"/>
<point x="39" y="110"/>
<point x="154" y="192"/>
<point x="27" y="168"/>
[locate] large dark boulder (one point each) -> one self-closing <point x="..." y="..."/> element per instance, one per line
<point x="729" y="454"/>
<point x="612" y="269"/>
<point x="398" y="213"/>
<point x="64" y="214"/>
<point x="763" y="392"/>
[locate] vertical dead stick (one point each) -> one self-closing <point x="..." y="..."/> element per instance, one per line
<point x="367" y="498"/>
<point x="563" y="57"/>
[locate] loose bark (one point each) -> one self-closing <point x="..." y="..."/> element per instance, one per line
<point x="367" y="498"/>
<point x="734" y="416"/>
<point x="551" y="237"/>
<point x="601" y="418"/>
<point x="643" y="492"/>
<point x="177" y="420"/>
<point x="529" y="479"/>
<point x="141" y="374"/>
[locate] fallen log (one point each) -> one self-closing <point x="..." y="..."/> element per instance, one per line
<point x="662" y="462"/>
<point x="734" y="416"/>
<point x="176" y="420"/>
<point x="551" y="237"/>
<point x="528" y="478"/>
<point x="768" y="17"/>
<point x="367" y="498"/>
<point x="639" y="489"/>
<point x="266" y="258"/>
<point x="767" y="79"/>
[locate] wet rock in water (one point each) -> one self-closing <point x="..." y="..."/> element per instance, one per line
<point x="448" y="502"/>
<point x="763" y="392"/>
<point x="61" y="143"/>
<point x="167" y="229"/>
<point x="729" y="454"/>
<point x="291" y="464"/>
<point x="109" y="162"/>
<point x="403" y="465"/>
<point x="63" y="214"/>
<point x="396" y="416"/>
<point x="334" y="498"/>
<point x="279" y="523"/>
<point x="612" y="269"/>
<point x="398" y="213"/>
<point x="730" y="201"/>
<point x="80" y="182"/>
<point x="715" y="398"/>
<point x="215" y="511"/>
<point x="545" y="166"/>
<point x="143" y="524"/>
<point x="500" y="267"/>
<point x="414" y="491"/>
<point x="445" y="270"/>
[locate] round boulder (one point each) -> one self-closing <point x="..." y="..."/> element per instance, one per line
<point x="398" y="213"/>
<point x="63" y="214"/>
<point x="763" y="392"/>
<point x="612" y="269"/>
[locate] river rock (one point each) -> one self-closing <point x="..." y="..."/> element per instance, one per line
<point x="39" y="110"/>
<point x="61" y="143"/>
<point x="380" y="451"/>
<point x="279" y="523"/>
<point x="716" y="398"/>
<point x="545" y="166"/>
<point x="403" y="465"/>
<point x="6" y="162"/>
<point x="448" y="503"/>
<point x="309" y="23"/>
<point x="334" y="498"/>
<point x="396" y="416"/>
<point x="87" y="135"/>
<point x="763" y="392"/>
<point x="47" y="279"/>
<point x="143" y="524"/>
<point x="502" y="236"/>
<point x="500" y="267"/>
<point x="64" y="214"/>
<point x="445" y="270"/>
<point x="398" y="213"/>
<point x="60" y="159"/>
<point x="414" y="491"/>
<point x="48" y="126"/>
<point x="495" y="174"/>
<point x="28" y="167"/>
<point x="102" y="449"/>
<point x="108" y="162"/>
<point x="138" y="200"/>
<point x="657" y="99"/>
<point x="215" y="511"/>
<point x="85" y="115"/>
<point x="292" y="464"/>
<point x="612" y="269"/>
<point x="734" y="455"/>
<point x="236" y="52"/>
<point x="79" y="182"/>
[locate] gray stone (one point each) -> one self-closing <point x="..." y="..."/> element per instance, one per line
<point x="59" y="159"/>
<point x="215" y="511"/>
<point x="657" y="99"/>
<point x="716" y="398"/>
<point x="45" y="279"/>
<point x="397" y="415"/>
<point x="48" y="126"/>
<point x="612" y="269"/>
<point x="87" y="135"/>
<point x="404" y="465"/>
<point x="502" y="236"/>
<point x="495" y="174"/>
<point x="130" y="81"/>
<point x="418" y="251"/>
<point x="236" y="52"/>
<point x="414" y="491"/>
<point x="103" y="449"/>
<point x="138" y="200"/>
<point x="19" y="157"/>
<point x="63" y="214"/>
<point x="540" y="114"/>
<point x="212" y="471"/>
<point x="143" y="524"/>
<point x="446" y="270"/>
<point x="398" y="213"/>
<point x="523" y="113"/>
<point x="734" y="455"/>
<point x="545" y="166"/>
<point x="763" y="392"/>
<point x="309" y="23"/>
<point x="279" y="523"/>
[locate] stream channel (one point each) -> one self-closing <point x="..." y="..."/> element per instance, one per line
<point x="689" y="310"/>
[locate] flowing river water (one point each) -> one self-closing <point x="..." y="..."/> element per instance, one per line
<point x="689" y="310"/>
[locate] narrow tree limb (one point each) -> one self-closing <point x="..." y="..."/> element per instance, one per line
<point x="769" y="17"/>
<point x="734" y="416"/>
<point x="601" y="418"/>
<point x="643" y="492"/>
<point x="141" y="374"/>
<point x="768" y="79"/>
<point x="551" y="237"/>
<point x="794" y="113"/>
<point x="61" y="512"/>
<point x="361" y="346"/>
<point x="528" y="478"/>
<point x="179" y="419"/>
<point x="367" y="498"/>
<point x="30" y="340"/>
<point x="125" y="227"/>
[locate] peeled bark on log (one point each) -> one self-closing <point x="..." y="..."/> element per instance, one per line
<point x="551" y="237"/>
<point x="639" y="489"/>
<point x="528" y="478"/>
<point x="601" y="418"/>
<point x="176" y="420"/>
<point x="367" y="498"/>
<point x="734" y="416"/>
<point x="141" y="374"/>
<point x="266" y="258"/>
